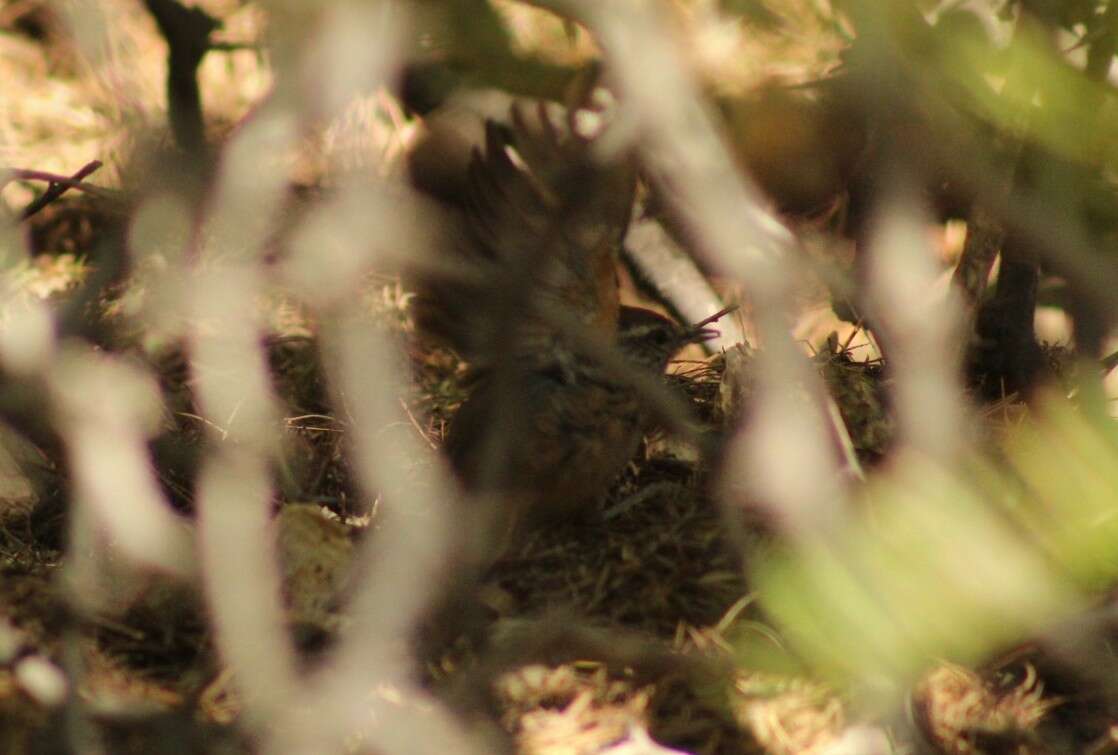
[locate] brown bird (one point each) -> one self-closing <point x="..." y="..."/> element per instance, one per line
<point x="548" y="438"/>
<point x="548" y="424"/>
<point x="529" y="297"/>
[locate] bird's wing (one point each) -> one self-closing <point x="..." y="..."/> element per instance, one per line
<point x="543" y="223"/>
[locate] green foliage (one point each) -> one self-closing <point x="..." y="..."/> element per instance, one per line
<point x="946" y="564"/>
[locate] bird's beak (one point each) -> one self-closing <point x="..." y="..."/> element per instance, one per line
<point x="701" y="333"/>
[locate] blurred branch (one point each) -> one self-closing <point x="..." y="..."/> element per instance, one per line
<point x="241" y="577"/>
<point x="92" y="415"/>
<point x="365" y="688"/>
<point x="403" y="566"/>
<point x="215" y="288"/>
<point x="918" y="330"/>
<point x="410" y="560"/>
<point x="106" y="410"/>
<point x="234" y="493"/>
<point x="726" y="214"/>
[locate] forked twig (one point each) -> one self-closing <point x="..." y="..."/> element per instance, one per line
<point x="59" y="185"/>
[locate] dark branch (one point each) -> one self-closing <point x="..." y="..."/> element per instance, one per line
<point x="59" y="185"/>
<point x="187" y="31"/>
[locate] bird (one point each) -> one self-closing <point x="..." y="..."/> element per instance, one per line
<point x="526" y="292"/>
<point x="539" y="443"/>
<point x="533" y="251"/>
<point x="548" y="437"/>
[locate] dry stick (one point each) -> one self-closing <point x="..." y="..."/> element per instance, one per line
<point x="667" y="267"/>
<point x="235" y="47"/>
<point x="1109" y="362"/>
<point x="59" y="185"/>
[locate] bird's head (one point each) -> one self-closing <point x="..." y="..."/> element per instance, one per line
<point x="650" y="339"/>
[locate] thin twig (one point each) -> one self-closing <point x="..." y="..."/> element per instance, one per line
<point x="416" y="425"/>
<point x="1109" y="362"/>
<point x="59" y="185"/>
<point x="235" y="46"/>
